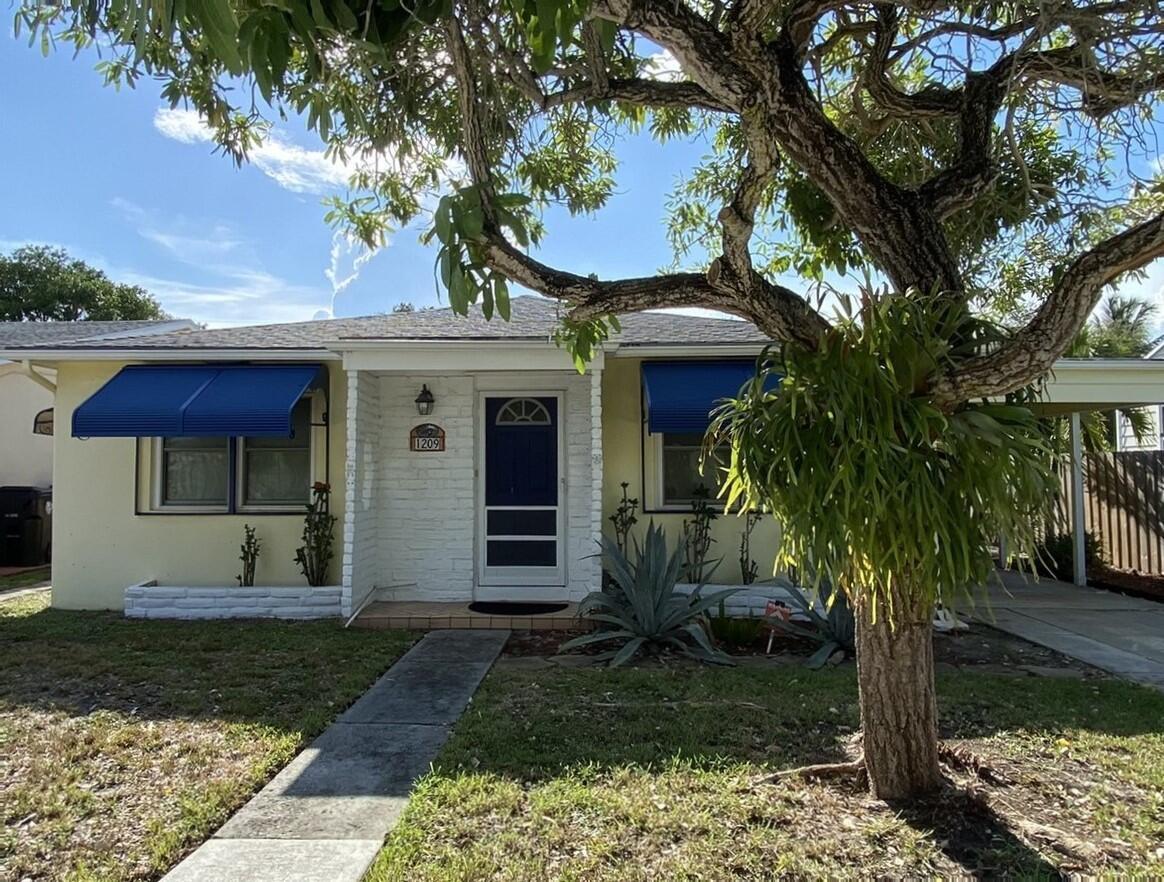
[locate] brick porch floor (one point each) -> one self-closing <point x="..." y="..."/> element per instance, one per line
<point x="426" y="616"/>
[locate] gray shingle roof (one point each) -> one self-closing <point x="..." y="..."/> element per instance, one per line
<point x="533" y="318"/>
<point x="25" y="334"/>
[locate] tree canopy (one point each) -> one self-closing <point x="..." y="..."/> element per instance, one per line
<point x="924" y="141"/>
<point x="43" y="284"/>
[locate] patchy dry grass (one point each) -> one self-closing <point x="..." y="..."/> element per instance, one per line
<point x="666" y="774"/>
<point x="125" y="743"/>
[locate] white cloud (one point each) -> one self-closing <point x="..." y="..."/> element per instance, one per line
<point x="182" y="125"/>
<point x="664" y="66"/>
<point x="289" y="165"/>
<point x="348" y="256"/>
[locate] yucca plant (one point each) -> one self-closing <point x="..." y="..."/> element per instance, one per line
<point x="647" y="613"/>
<point x="835" y="630"/>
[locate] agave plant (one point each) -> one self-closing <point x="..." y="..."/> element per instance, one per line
<point x="835" y="630"/>
<point x="646" y="612"/>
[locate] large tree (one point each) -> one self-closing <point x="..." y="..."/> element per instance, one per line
<point x="950" y="150"/>
<point x="42" y="284"/>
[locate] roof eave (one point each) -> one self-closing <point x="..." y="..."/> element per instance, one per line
<point x="176" y="353"/>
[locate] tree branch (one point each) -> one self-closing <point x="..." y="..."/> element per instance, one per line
<point x="1032" y="351"/>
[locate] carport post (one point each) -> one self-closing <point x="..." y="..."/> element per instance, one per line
<point x="1080" y="561"/>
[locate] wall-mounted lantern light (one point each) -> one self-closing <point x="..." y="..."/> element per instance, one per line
<point x="42" y="424"/>
<point x="424" y="401"/>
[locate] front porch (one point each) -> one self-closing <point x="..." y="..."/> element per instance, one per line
<point x="420" y="615"/>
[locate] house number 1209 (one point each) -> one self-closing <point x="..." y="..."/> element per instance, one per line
<point x="426" y="438"/>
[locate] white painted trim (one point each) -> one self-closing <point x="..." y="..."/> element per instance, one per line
<point x="192" y="355"/>
<point x="686" y="350"/>
<point x="1078" y="529"/>
<point x="452" y="356"/>
<point x="551" y="582"/>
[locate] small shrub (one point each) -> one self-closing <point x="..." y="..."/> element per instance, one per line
<point x="624" y="518"/>
<point x="314" y="555"/>
<point x="647" y="613"/>
<point x="749" y="569"/>
<point x="697" y="534"/>
<point x="1055" y="555"/>
<point x="251" y="547"/>
<point x="835" y="630"/>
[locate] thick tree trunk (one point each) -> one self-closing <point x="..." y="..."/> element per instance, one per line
<point x="899" y="714"/>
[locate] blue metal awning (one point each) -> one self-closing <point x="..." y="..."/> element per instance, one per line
<point x="680" y="395"/>
<point x="176" y="400"/>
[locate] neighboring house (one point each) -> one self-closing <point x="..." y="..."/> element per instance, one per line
<point x="469" y="459"/>
<point x="26" y="444"/>
<point x="1125" y="438"/>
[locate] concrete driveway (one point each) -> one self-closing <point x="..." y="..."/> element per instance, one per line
<point x="1119" y="634"/>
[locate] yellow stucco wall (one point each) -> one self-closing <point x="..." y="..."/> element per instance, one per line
<point x="100" y="546"/>
<point x="622" y="454"/>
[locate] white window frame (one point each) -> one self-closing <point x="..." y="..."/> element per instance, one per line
<point x="240" y="503"/>
<point x="157" y="499"/>
<point x="159" y="506"/>
<point x="660" y="502"/>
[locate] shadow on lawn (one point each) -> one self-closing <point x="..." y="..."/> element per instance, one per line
<point x="975" y="837"/>
<point x="286" y="675"/>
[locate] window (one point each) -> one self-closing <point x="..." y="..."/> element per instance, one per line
<point x="197" y="474"/>
<point x="679" y="457"/>
<point x="42" y="423"/>
<point x="277" y="471"/>
<point x="528" y="411"/>
<point x="194" y="472"/>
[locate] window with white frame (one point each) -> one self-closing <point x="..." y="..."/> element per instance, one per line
<point x="197" y="474"/>
<point x="277" y="471"/>
<point x="678" y="457"/>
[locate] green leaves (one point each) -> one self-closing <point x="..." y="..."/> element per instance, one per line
<point x="552" y="23"/>
<point x="871" y="483"/>
<point x="583" y="338"/>
<point x="459" y="225"/>
<point x="644" y="609"/>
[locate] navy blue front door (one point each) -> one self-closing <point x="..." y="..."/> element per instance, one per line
<point x="521" y="490"/>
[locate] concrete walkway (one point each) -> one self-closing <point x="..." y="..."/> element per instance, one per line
<point x="1119" y="634"/>
<point x="324" y="817"/>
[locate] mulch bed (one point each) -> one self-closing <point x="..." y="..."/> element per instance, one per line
<point x="982" y="649"/>
<point x="1146" y="585"/>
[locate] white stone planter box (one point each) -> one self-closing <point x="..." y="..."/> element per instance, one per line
<point x="148" y="600"/>
<point x="750" y="600"/>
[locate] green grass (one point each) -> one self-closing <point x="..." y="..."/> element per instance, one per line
<point x="666" y="774"/>
<point x="23" y="580"/>
<point x="123" y="743"/>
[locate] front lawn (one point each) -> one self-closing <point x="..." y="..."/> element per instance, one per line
<point x="125" y="743"/>
<point x="667" y="774"/>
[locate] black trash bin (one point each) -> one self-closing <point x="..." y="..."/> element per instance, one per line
<point x="26" y="518"/>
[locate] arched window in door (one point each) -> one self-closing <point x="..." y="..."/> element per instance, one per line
<point x="523" y="411"/>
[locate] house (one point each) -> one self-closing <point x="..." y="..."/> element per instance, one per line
<point x="26" y="393"/>
<point x="1125" y="437"/>
<point x="496" y="488"/>
<point x="469" y="460"/>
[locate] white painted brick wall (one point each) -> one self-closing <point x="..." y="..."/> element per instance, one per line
<point x="361" y="515"/>
<point x="297" y="602"/>
<point x="426" y="523"/>
<point x="427" y="501"/>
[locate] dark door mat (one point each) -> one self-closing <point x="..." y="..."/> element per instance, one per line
<point x="503" y="608"/>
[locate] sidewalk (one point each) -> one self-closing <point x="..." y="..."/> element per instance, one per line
<point x="1119" y="634"/>
<point x="324" y="817"/>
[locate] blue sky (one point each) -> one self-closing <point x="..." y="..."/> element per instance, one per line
<point x="129" y="185"/>
<point x="123" y="182"/>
